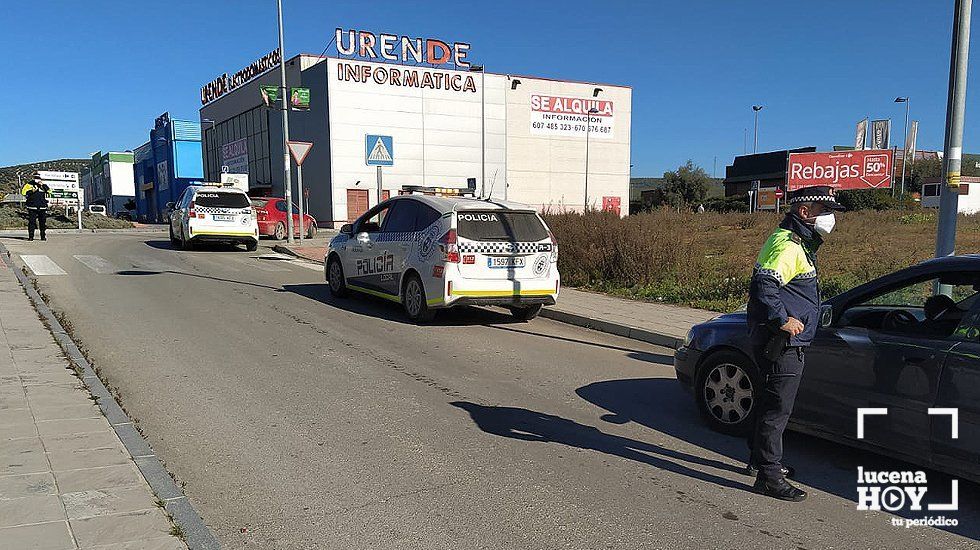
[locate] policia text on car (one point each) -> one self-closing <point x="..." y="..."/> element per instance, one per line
<point x="783" y="315"/>
<point x="36" y="195"/>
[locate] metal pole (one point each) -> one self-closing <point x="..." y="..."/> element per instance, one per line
<point x="894" y="156"/>
<point x="287" y="181"/>
<point x="299" y="189"/>
<point x="483" y="130"/>
<point x="905" y="150"/>
<point x="588" y="125"/>
<point x="953" y="145"/>
<point x="380" y="192"/>
<point x="755" y="142"/>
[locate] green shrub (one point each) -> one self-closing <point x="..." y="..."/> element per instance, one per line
<point x="869" y="199"/>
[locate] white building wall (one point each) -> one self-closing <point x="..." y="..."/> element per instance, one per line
<point x="967" y="204"/>
<point x="547" y="169"/>
<point x="436" y="132"/>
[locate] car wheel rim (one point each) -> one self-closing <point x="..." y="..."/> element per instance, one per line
<point x="413" y="298"/>
<point x="335" y="276"/>
<point x="280" y="232"/>
<point x="728" y="393"/>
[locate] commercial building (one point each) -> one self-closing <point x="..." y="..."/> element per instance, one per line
<point x="768" y="168"/>
<point x="108" y="180"/>
<point x="165" y="165"/>
<point x="519" y="138"/>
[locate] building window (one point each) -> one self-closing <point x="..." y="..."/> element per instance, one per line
<point x="930" y="190"/>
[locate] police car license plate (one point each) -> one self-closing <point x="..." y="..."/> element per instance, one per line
<point x="517" y="261"/>
<point x="223" y="217"/>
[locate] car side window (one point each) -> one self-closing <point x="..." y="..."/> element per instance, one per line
<point x="281" y="206"/>
<point x="401" y="219"/>
<point x="425" y="216"/>
<point x="372" y="220"/>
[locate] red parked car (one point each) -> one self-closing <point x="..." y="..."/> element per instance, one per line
<point x="270" y="212"/>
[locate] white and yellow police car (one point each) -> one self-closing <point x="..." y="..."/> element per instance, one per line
<point x="215" y="213"/>
<point x="433" y="252"/>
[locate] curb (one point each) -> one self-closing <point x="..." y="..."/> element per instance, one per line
<point x="617" y="329"/>
<point x="650" y="337"/>
<point x="197" y="536"/>
<point x="76" y="231"/>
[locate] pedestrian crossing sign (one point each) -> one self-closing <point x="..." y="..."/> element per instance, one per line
<point x="378" y="150"/>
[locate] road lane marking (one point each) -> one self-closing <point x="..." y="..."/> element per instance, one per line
<point x="307" y="265"/>
<point x="42" y="265"/>
<point x="150" y="264"/>
<point x="97" y="264"/>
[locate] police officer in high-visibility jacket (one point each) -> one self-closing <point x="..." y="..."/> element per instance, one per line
<point x="783" y="315"/>
<point x="36" y="200"/>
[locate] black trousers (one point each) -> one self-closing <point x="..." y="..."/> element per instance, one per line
<point x="37" y="218"/>
<point x="781" y="381"/>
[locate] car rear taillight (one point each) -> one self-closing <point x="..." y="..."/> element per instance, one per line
<point x="262" y="214"/>
<point x="449" y="246"/>
<point x="554" y="246"/>
<point x="191" y="213"/>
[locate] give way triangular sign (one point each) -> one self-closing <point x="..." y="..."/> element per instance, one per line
<point x="299" y="150"/>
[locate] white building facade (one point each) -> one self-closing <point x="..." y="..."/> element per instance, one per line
<point x="521" y="138"/>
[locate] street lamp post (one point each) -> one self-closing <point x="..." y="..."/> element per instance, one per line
<point x="287" y="180"/>
<point x="588" y="125"/>
<point x="755" y="142"/>
<point x="905" y="153"/>
<point x="483" y="127"/>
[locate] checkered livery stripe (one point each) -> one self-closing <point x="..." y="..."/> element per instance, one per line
<point x="503" y="247"/>
<point x="813" y="198"/>
<point x="217" y="210"/>
<point x="761" y="271"/>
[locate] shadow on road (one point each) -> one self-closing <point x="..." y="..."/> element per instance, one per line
<point x="131" y="272"/>
<point x="198" y="247"/>
<point x="528" y="425"/>
<point x="370" y="306"/>
<point x="649" y="357"/>
<point x="660" y="404"/>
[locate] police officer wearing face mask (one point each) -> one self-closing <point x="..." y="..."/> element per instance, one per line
<point x="783" y="315"/>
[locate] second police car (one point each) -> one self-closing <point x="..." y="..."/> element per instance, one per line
<point x="213" y="213"/>
<point x="431" y="252"/>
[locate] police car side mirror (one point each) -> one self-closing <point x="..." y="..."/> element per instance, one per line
<point x="170" y="204"/>
<point x="347" y="228"/>
<point x="826" y="315"/>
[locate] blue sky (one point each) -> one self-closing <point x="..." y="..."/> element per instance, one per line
<point x="80" y="77"/>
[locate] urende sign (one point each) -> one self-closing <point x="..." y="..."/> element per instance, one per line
<point x="867" y="169"/>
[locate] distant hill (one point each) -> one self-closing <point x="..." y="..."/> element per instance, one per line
<point x="8" y="174"/>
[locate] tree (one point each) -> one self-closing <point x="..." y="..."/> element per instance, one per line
<point x="686" y="186"/>
<point x="919" y="170"/>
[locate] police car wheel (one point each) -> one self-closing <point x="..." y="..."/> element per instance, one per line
<point x="280" y="233"/>
<point x="413" y="299"/>
<point x="311" y="231"/>
<point x="173" y="239"/>
<point x="725" y="392"/>
<point x="335" y="278"/>
<point x="252" y="246"/>
<point x="526" y="313"/>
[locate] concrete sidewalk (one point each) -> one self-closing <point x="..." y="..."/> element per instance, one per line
<point x="66" y="479"/>
<point x="660" y="324"/>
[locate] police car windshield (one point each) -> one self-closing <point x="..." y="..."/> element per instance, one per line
<point x="221" y="200"/>
<point x="499" y="225"/>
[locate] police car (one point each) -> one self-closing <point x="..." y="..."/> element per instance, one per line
<point x="214" y="213"/>
<point x="433" y="252"/>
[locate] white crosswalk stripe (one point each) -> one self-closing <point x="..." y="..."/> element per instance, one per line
<point x="97" y="264"/>
<point x="307" y="265"/>
<point x="42" y="265"/>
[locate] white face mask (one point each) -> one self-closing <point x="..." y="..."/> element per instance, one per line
<point x="824" y="223"/>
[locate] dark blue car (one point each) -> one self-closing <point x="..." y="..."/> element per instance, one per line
<point x="891" y="343"/>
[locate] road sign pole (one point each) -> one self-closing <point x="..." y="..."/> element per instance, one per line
<point x="379" y="184"/>
<point x="299" y="189"/>
<point x="953" y="146"/>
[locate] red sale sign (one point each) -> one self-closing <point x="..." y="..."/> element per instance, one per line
<point x="867" y="169"/>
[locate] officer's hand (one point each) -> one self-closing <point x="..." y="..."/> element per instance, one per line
<point x="793" y="326"/>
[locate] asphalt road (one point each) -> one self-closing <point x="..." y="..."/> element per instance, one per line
<point x="295" y="420"/>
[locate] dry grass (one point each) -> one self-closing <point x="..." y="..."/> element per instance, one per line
<point x="705" y="260"/>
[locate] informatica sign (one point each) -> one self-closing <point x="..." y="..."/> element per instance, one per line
<point x="867" y="169"/>
<point x="224" y="83"/>
<point x="407" y="51"/>
<point x="572" y="117"/>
